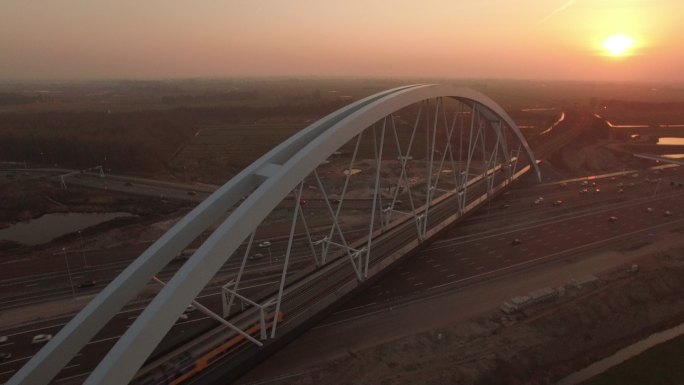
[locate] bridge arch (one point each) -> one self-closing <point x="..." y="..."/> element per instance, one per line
<point x="250" y="197"/>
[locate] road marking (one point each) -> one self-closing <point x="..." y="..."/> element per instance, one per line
<point x="464" y="259"/>
<point x="479" y="268"/>
<point x="104" y="339"/>
<point x="71" y="366"/>
<point x="134" y="317"/>
<point x="7" y="344"/>
<point x="506" y="260"/>
<point x="436" y="266"/>
<point x="35" y="330"/>
<point x="17" y="360"/>
<point x="444" y="270"/>
<point x="7" y="372"/>
<point x="418" y="284"/>
<point x="31" y="284"/>
<point x="411" y="278"/>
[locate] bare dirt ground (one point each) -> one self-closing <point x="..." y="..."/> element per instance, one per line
<point x="472" y="342"/>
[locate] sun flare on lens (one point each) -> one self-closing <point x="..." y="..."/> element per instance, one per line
<point x="618" y="45"/>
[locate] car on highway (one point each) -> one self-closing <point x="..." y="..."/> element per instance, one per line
<point x="192" y="192"/>
<point x="3" y="339"/>
<point x="189" y="309"/>
<point x="41" y="338"/>
<point x="264" y="244"/>
<point x="557" y="203"/>
<point x="584" y="191"/>
<point x="597" y="190"/>
<point x="649" y="209"/>
<point x="4" y="356"/>
<point x="516" y="242"/>
<point x="667" y="213"/>
<point x="87" y="283"/>
<point x="255" y="256"/>
<point x="585" y="183"/>
<point x="129" y="184"/>
<point x="613" y="219"/>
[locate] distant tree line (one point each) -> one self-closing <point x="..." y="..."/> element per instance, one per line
<point x="644" y="106"/>
<point x="13" y="99"/>
<point x="136" y="141"/>
<point x="210" y="97"/>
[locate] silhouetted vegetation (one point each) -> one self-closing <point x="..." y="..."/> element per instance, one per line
<point x="11" y="99"/>
<point x="137" y="141"/>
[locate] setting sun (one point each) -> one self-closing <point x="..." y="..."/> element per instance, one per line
<point x="617" y="45"/>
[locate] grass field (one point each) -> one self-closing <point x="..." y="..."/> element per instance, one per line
<point x="660" y="365"/>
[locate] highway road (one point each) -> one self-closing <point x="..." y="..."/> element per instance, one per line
<point x="483" y="245"/>
<point x="545" y="231"/>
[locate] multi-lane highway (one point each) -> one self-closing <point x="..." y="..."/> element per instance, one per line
<point x="545" y="230"/>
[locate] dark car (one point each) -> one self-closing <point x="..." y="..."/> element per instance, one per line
<point x="516" y="242"/>
<point x="87" y="283"/>
<point x="4" y="356"/>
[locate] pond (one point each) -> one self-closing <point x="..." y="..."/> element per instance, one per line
<point x="669" y="141"/>
<point x="51" y="226"/>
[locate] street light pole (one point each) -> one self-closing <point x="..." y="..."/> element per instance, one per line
<point x="71" y="282"/>
<point x="85" y="262"/>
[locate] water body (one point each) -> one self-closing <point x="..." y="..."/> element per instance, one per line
<point x="621" y="355"/>
<point x="665" y="141"/>
<point x="51" y="226"/>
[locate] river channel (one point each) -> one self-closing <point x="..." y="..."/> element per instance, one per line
<point x="51" y="226"/>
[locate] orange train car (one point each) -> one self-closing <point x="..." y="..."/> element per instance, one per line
<point x="219" y="351"/>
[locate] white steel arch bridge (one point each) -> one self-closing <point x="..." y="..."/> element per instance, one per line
<point x="352" y="193"/>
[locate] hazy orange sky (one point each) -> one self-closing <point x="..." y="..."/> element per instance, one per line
<point x="549" y="39"/>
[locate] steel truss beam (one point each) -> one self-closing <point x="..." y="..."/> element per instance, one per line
<point x="265" y="183"/>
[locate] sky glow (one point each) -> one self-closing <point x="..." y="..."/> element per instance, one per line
<point x="534" y="39"/>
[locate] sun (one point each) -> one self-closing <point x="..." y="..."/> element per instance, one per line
<point x="618" y="45"/>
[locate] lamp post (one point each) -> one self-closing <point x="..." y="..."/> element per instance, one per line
<point x="71" y="282"/>
<point x="85" y="262"/>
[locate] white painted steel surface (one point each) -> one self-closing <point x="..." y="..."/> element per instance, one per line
<point x="265" y="183"/>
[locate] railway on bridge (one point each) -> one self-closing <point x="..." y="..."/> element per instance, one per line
<point x="354" y="192"/>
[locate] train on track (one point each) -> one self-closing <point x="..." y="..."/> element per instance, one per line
<point x="187" y="366"/>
